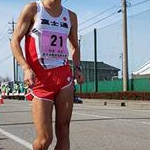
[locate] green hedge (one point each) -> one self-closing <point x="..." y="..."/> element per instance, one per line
<point x="141" y="84"/>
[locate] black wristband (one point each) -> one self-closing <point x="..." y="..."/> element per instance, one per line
<point x="78" y="67"/>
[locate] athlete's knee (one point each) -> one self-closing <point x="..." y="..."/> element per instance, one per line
<point x="42" y="143"/>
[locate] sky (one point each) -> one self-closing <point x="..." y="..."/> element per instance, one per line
<point x="85" y="9"/>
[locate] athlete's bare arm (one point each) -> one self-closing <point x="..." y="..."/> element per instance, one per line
<point x="25" y="21"/>
<point x="73" y="38"/>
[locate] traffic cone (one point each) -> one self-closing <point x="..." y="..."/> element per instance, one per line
<point x="1" y="100"/>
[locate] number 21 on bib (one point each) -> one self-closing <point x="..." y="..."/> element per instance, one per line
<point x="53" y="45"/>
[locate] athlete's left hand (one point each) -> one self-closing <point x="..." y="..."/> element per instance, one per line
<point x="29" y="77"/>
<point x="79" y="76"/>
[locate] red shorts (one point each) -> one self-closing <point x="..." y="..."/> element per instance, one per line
<point x="49" y="83"/>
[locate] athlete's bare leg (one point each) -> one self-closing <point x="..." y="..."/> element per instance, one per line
<point x="42" y="116"/>
<point x="63" y="105"/>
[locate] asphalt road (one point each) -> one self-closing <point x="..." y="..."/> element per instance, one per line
<point x="93" y="127"/>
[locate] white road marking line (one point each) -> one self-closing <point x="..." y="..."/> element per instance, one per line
<point x="145" y="122"/>
<point x="140" y="110"/>
<point x="142" y="122"/>
<point x="17" y="139"/>
<point x="97" y="116"/>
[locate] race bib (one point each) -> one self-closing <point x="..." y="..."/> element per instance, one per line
<point x="53" y="45"/>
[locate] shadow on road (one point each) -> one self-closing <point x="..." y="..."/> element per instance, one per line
<point x="3" y="139"/>
<point x="77" y="120"/>
<point x="103" y="119"/>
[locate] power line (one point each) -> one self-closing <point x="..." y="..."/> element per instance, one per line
<point x="128" y="17"/>
<point x="109" y="25"/>
<point x="6" y="58"/>
<point x="65" y="1"/>
<point x="96" y="15"/>
<point x="3" y="30"/>
<point x="1" y="38"/>
<point x="139" y="3"/>
<point x="140" y="13"/>
<point x="120" y="10"/>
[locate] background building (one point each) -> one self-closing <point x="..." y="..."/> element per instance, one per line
<point x="104" y="71"/>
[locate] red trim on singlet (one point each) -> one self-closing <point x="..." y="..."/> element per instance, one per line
<point x="31" y="54"/>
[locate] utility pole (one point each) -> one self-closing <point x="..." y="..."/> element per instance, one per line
<point x="79" y="43"/>
<point x="15" y="66"/>
<point x="95" y="60"/>
<point x="125" y="47"/>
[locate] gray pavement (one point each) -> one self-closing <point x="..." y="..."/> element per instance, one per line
<point x="94" y="126"/>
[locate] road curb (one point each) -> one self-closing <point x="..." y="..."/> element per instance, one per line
<point x="119" y="103"/>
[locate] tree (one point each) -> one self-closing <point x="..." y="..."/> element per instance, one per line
<point x="4" y="79"/>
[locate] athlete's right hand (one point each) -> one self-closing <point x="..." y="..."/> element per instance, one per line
<point x="29" y="77"/>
